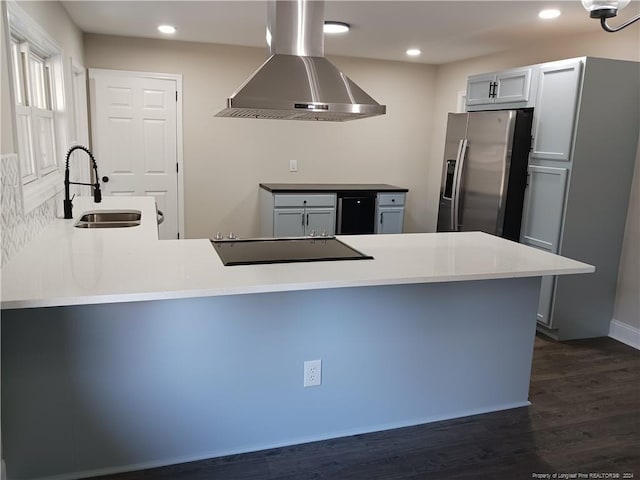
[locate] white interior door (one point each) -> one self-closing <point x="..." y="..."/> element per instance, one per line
<point x="135" y="138"/>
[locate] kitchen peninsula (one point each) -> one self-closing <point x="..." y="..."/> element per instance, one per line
<point x="120" y="351"/>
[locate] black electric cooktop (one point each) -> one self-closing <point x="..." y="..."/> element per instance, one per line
<point x="284" y="250"/>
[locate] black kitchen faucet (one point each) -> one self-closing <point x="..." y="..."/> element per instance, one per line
<point x="97" y="194"/>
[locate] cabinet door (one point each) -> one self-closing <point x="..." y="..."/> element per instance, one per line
<point x="479" y="88"/>
<point x="288" y="222"/>
<point x="555" y="110"/>
<point x="320" y="220"/>
<point x="546" y="297"/>
<point x="513" y="86"/>
<point x="542" y="222"/>
<point x="544" y="207"/>
<point x="390" y="220"/>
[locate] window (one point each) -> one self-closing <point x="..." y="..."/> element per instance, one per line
<point x="36" y="64"/>
<point x="34" y="112"/>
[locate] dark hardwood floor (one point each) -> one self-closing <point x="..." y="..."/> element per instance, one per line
<point x="584" y="419"/>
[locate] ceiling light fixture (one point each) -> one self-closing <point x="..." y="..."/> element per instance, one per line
<point x="335" y="27"/>
<point x="168" y="29"/>
<point x="413" y="52"/>
<point x="604" y="9"/>
<point x="549" y="13"/>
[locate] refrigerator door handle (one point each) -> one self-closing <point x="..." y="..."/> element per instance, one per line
<point x="457" y="178"/>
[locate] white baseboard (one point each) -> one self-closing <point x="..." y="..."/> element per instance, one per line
<point x="625" y="333"/>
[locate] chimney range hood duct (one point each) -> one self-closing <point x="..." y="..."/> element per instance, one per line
<point x="297" y="82"/>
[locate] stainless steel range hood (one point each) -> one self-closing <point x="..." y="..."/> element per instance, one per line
<point x="297" y="82"/>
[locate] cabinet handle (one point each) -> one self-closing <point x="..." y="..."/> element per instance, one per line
<point x="307" y="219"/>
<point x="493" y="87"/>
<point x="381" y="217"/>
<point x="302" y="220"/>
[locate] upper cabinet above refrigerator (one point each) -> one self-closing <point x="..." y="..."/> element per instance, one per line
<point x="501" y="90"/>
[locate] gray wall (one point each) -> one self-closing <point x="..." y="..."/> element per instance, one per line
<point x="140" y="384"/>
<point x="627" y="307"/>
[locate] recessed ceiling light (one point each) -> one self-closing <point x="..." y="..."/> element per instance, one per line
<point x="413" y="52"/>
<point x="168" y="29"/>
<point x="335" y="27"/>
<point x="549" y="13"/>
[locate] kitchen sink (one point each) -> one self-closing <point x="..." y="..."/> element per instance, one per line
<point x="109" y="219"/>
<point x="107" y="224"/>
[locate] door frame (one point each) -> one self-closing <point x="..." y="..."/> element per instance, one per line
<point x="80" y="133"/>
<point x="177" y="77"/>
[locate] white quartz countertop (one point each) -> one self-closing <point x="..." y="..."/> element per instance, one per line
<point x="65" y="265"/>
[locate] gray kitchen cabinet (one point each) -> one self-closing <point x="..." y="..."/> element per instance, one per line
<point x="296" y="215"/>
<point x="542" y="221"/>
<point x="555" y="110"/>
<point x="544" y="207"/>
<point x="298" y="222"/>
<point x="510" y="86"/>
<point x="546" y="299"/>
<point x="298" y="209"/>
<point x="585" y="136"/>
<point x="390" y="212"/>
<point x="480" y="89"/>
<point x="320" y="221"/>
<point x="288" y="222"/>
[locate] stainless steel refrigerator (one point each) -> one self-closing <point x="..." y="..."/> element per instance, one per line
<point x="485" y="172"/>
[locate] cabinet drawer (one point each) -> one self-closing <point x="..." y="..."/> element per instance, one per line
<point x="304" y="200"/>
<point x="391" y="199"/>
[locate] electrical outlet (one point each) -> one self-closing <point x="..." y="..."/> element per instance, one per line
<point x="312" y="373"/>
<point x="293" y="165"/>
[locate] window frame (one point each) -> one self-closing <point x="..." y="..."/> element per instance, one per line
<point x="44" y="180"/>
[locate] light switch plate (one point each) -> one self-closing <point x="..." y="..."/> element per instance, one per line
<point x="293" y="165"/>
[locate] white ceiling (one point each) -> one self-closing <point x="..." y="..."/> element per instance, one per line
<point x="445" y="31"/>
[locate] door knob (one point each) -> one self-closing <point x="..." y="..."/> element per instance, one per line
<point x="105" y="179"/>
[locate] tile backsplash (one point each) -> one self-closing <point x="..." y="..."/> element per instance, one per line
<point x="18" y="229"/>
